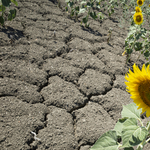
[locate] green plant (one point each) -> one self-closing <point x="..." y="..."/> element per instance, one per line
<point x="87" y="7"/>
<point x="130" y="131"/>
<point x="138" y="36"/>
<point x="127" y="133"/>
<point x="132" y="42"/>
<point x="12" y="12"/>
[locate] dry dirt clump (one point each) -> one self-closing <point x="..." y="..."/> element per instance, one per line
<point x="61" y="85"/>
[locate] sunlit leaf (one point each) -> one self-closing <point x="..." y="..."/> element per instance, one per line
<point x="108" y="141"/>
<point x="132" y="134"/>
<point x="131" y="111"/>
<point x="119" y="125"/>
<point x="82" y="10"/>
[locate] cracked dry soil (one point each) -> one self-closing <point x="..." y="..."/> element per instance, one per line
<point x="62" y="90"/>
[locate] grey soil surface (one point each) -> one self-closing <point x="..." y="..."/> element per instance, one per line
<point x="60" y="92"/>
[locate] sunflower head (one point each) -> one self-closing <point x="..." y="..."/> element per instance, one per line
<point x="138" y="86"/>
<point x="140" y="2"/>
<point x="138" y="9"/>
<point x="138" y="18"/>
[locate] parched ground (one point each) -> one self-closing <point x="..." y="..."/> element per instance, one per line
<point x="61" y="85"/>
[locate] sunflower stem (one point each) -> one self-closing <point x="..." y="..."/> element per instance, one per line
<point x="119" y="145"/>
<point x="147" y="140"/>
<point x="148" y="126"/>
<point x="140" y="147"/>
<point x="141" y="122"/>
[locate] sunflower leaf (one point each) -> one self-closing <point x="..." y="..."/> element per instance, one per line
<point x="6" y="3"/>
<point x="129" y="148"/>
<point x="148" y="126"/>
<point x="131" y="111"/>
<point x="107" y="141"/>
<point x="119" y="125"/>
<point x="132" y="134"/>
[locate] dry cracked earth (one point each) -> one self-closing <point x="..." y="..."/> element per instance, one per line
<point x="61" y="85"/>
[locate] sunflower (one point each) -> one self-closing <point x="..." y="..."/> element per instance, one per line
<point x="138" y="9"/>
<point x="138" y="18"/>
<point x="138" y="86"/>
<point x="140" y="2"/>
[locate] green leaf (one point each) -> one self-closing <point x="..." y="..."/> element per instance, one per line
<point x="138" y="46"/>
<point x="82" y="10"/>
<point x="131" y="111"/>
<point x="148" y="126"/>
<point x="98" y="6"/>
<point x="112" y="11"/>
<point x="66" y="8"/>
<point x="12" y="14"/>
<point x="119" y="125"/>
<point x="92" y="4"/>
<point x="85" y="20"/>
<point x="132" y="30"/>
<point x="77" y="8"/>
<point x="2" y="8"/>
<point x="147" y="53"/>
<point x="83" y="2"/>
<point x="70" y="4"/>
<point x="1" y="20"/>
<point x="142" y="33"/>
<point x="130" y="122"/>
<point x="132" y="134"/>
<point x="129" y="148"/>
<point x="146" y="66"/>
<point x="72" y="12"/>
<point x="88" y="4"/>
<point x="15" y="2"/>
<point x="93" y="15"/>
<point x="130" y="39"/>
<point x="129" y="50"/>
<point x="6" y="3"/>
<point x="107" y="141"/>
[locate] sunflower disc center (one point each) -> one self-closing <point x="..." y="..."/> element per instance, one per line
<point x="140" y="2"/>
<point x="138" y="18"/>
<point x="144" y="92"/>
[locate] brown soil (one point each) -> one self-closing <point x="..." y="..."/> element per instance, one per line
<point x="60" y="80"/>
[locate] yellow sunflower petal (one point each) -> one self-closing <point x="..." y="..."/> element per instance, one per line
<point x="138" y="86"/>
<point x="138" y="18"/>
<point x="138" y="9"/>
<point x="148" y="113"/>
<point x="140" y="2"/>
